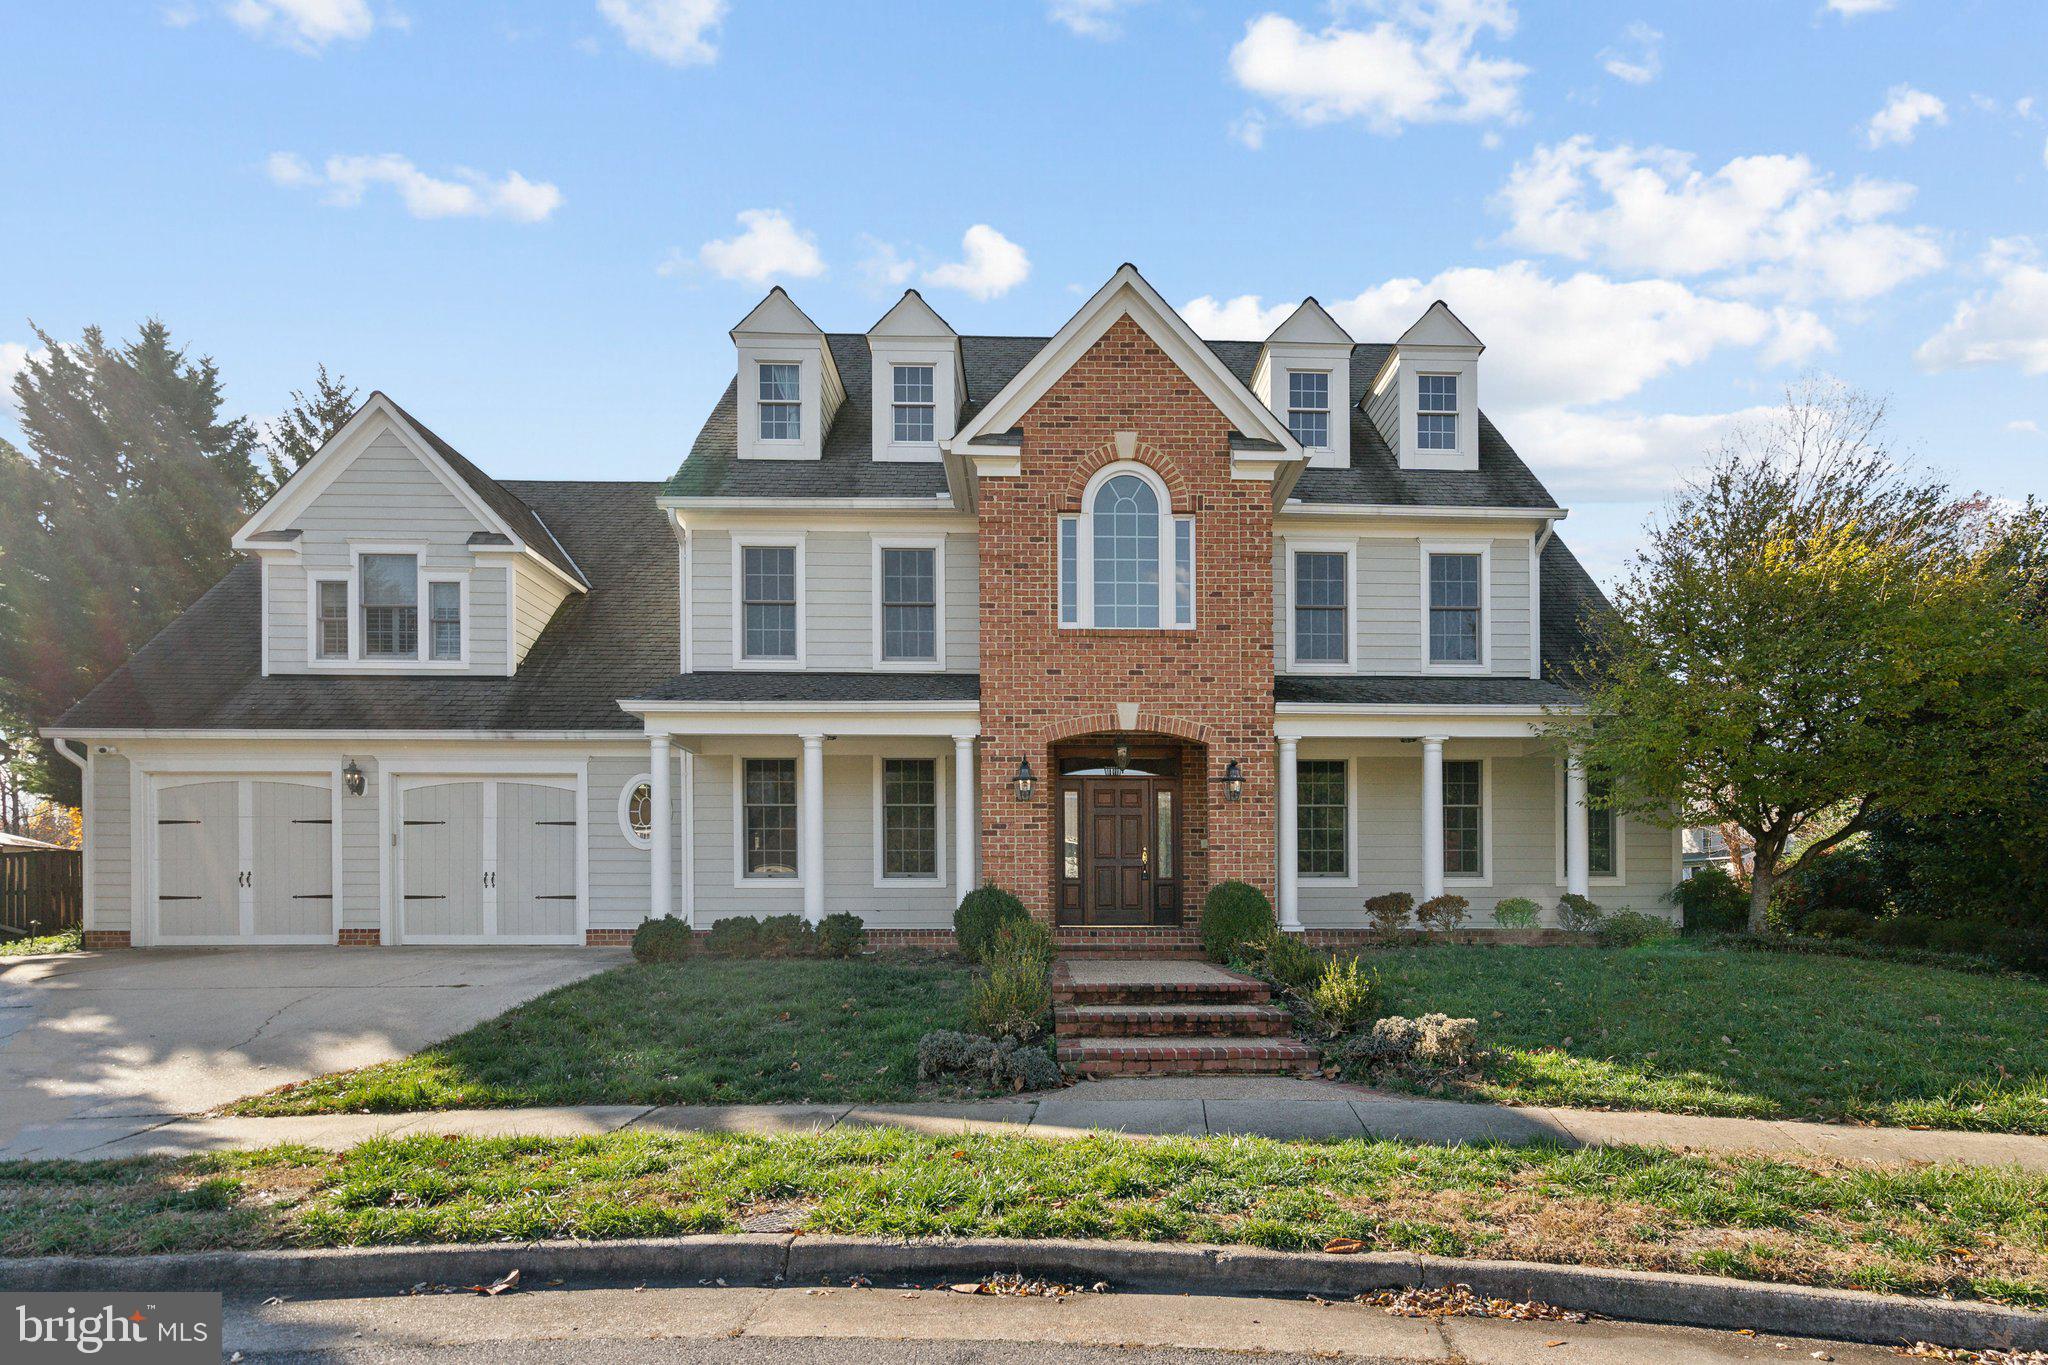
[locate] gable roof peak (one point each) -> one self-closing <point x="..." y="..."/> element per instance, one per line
<point x="777" y="313"/>
<point x="1310" y="323"/>
<point x="911" y="316"/>
<point x="1439" y="326"/>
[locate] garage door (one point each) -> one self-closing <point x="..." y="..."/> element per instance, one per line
<point x="244" y="860"/>
<point x="489" y="860"/>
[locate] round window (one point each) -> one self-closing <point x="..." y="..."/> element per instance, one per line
<point x="636" y="811"/>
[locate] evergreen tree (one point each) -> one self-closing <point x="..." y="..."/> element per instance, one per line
<point x="306" y="425"/>
<point x="116" y="518"/>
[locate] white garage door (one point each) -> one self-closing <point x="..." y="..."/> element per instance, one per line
<point x="244" y="860"/>
<point x="489" y="860"/>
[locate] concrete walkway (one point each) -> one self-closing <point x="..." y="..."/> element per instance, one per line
<point x="1266" y="1106"/>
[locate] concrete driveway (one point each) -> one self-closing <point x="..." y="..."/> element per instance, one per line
<point x="97" y="1046"/>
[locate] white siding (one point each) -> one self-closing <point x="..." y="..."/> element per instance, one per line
<point x="109" y="842"/>
<point x="1387" y="579"/>
<point x="361" y="852"/>
<point x="539" y="594"/>
<point x="1384" y="409"/>
<point x="620" y="892"/>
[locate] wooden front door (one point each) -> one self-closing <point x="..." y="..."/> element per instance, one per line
<point x="1119" y="849"/>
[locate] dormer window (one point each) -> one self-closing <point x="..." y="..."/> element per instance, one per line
<point x="781" y="403"/>
<point x="392" y="611"/>
<point x="391" y="606"/>
<point x="1127" y="563"/>
<point x="1308" y="408"/>
<point x="1436" y="412"/>
<point x="911" y="413"/>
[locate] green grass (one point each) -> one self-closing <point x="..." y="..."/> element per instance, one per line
<point x="1691" y="1029"/>
<point x="706" y="1031"/>
<point x="64" y="941"/>
<point x="1968" y="1232"/>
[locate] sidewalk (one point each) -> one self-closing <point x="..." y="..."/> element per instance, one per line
<point x="1265" y="1106"/>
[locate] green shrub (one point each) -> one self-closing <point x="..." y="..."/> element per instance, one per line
<point x="1346" y="995"/>
<point x="1390" y="912"/>
<point x="1903" y="931"/>
<point x="1711" y="902"/>
<point x="1578" y="913"/>
<point x="1517" y="912"/>
<point x="842" y="935"/>
<point x="1840" y="879"/>
<point x="1831" y="923"/>
<point x="1235" y="913"/>
<point x="786" y="936"/>
<point x="1012" y="998"/>
<point x="1025" y="937"/>
<point x="1442" y="914"/>
<point x="734" y="936"/>
<point x="983" y="911"/>
<point x="1627" y="928"/>
<point x="1292" y="962"/>
<point x="1977" y="934"/>
<point x="667" y="939"/>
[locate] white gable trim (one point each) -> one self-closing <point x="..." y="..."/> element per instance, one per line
<point x="1128" y="294"/>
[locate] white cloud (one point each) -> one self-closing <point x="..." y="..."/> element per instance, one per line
<point x="1905" y="109"/>
<point x="2026" y="426"/>
<point x="344" y="180"/>
<point x="1620" y="456"/>
<point x="770" y="248"/>
<point x="1638" y="58"/>
<point x="885" y="267"/>
<point x="1765" y="224"/>
<point x="1244" y="318"/>
<point x="991" y="265"/>
<point x="678" y="32"/>
<point x="13" y="360"/>
<point x="1850" y="9"/>
<point x="1090" y="18"/>
<point x="1250" y="130"/>
<point x="179" y="16"/>
<point x="1417" y="64"/>
<point x="2006" y="324"/>
<point x="307" y="25"/>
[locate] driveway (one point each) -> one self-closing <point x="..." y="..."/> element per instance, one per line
<point x="97" y="1046"/>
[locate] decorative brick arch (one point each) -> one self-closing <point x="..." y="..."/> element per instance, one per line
<point x="1149" y="722"/>
<point x="1169" y="472"/>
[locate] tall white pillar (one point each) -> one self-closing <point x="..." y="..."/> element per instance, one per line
<point x="1432" y="817"/>
<point x="1290" y="837"/>
<point x="1577" y="857"/>
<point x="661" y="837"/>
<point x="811" y="827"/>
<point x="966" y="829"/>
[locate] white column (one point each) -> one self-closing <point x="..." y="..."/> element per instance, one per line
<point x="1576" y="855"/>
<point x="1432" y="817"/>
<point x="660" y="871"/>
<point x="811" y="826"/>
<point x="966" y="829"/>
<point x="1290" y="837"/>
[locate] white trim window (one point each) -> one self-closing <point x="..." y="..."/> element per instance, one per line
<point x="1466" y="834"/>
<point x="330" y="618"/>
<point x="909" y="835"/>
<point x="389" y="612"/>
<point x="780" y="401"/>
<point x="636" y="810"/>
<point x="1436" y="412"/>
<point x="914" y="405"/>
<point x="765" y="820"/>
<point x="1308" y="408"/>
<point x="768" y="602"/>
<point x="1323" y="824"/>
<point x="444" y="619"/>
<point x="1456" y="625"/>
<point x="1126" y="562"/>
<point x="389" y="588"/>
<point x="910" y="596"/>
<point x="1319" y="619"/>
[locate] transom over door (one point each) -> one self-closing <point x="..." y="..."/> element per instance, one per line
<point x="244" y="860"/>
<point x="489" y="860"/>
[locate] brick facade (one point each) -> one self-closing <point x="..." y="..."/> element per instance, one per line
<point x="107" y="938"/>
<point x="360" y="938"/>
<point x="1212" y="685"/>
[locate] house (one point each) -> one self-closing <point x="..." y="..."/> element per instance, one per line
<point x="1103" y="617"/>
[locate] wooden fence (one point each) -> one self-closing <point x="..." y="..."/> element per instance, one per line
<point x="42" y="890"/>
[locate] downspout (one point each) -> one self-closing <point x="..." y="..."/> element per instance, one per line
<point x="83" y="761"/>
<point x="1541" y="543"/>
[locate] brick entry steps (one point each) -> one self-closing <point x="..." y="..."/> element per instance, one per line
<point x="1154" y="941"/>
<point x="1131" y="1016"/>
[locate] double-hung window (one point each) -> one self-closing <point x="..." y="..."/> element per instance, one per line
<point x="911" y="411"/>
<point x="909" y="603"/>
<point x="909" y="803"/>
<point x="444" y="621"/>
<point x="769" y="603"/>
<point x="1465" y="818"/>
<point x="391" y="610"/>
<point x="332" y="640"/>
<point x="1322" y="818"/>
<point x="1602" y="850"/>
<point x="1321" y="607"/>
<point x="781" y="402"/>
<point x="1308" y="407"/>
<point x="1436" y="412"/>
<point x="390" y="588"/>
<point x="1455" y="587"/>
<point x="1126" y="562"/>
<point x="768" y="818"/>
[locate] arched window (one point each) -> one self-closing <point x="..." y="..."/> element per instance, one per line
<point x="636" y="811"/>
<point x="1126" y="557"/>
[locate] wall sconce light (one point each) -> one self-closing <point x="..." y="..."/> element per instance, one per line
<point x="352" y="779"/>
<point x="1120" y="759"/>
<point x="1233" y="782"/>
<point x="1027" y="781"/>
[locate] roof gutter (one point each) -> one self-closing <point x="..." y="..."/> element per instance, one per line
<point x="1548" y="515"/>
<point x="937" y="502"/>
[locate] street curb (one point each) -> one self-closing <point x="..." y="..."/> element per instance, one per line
<point x="1633" y="1295"/>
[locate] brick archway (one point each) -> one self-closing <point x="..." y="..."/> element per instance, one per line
<point x="1147" y="721"/>
<point x="1112" y="452"/>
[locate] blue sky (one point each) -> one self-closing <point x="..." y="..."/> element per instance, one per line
<point x="533" y="223"/>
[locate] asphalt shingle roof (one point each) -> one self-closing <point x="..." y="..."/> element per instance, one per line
<point x="746" y="685"/>
<point x="1390" y="690"/>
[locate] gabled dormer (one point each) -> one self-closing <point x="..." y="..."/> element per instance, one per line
<point x="917" y="381"/>
<point x="1304" y="376"/>
<point x="1425" y="398"/>
<point x="789" y="389"/>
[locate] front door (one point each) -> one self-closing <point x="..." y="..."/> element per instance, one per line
<point x="1119" y="850"/>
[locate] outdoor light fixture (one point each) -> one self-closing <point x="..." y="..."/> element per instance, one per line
<point x="352" y="778"/>
<point x="1120" y="758"/>
<point x="1233" y="782"/>
<point x="1027" y="781"/>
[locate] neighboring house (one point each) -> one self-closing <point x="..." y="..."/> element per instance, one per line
<point x="1104" y="618"/>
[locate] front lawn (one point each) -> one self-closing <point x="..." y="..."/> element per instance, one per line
<point x="1929" y="1230"/>
<point x="705" y="1031"/>
<point x="63" y="941"/>
<point x="1693" y="1029"/>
